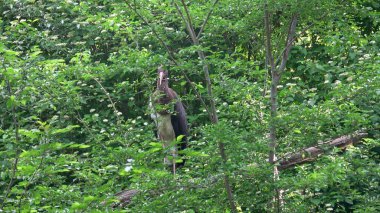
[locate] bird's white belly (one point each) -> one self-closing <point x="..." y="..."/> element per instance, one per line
<point x="165" y="128"/>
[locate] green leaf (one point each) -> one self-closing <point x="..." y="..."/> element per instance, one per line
<point x="89" y="198"/>
<point x="179" y="138"/>
<point x="64" y="130"/>
<point x="33" y="134"/>
<point x="320" y="67"/>
<point x="80" y="146"/>
<point x="155" y="144"/>
<point x="11" y="102"/>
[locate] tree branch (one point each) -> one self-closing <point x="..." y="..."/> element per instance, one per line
<point x="214" y="117"/>
<point x="289" y="42"/>
<point x="206" y="19"/>
<point x="171" y="56"/>
<point x="17" y="138"/>
<point x="268" y="44"/>
<point x="311" y="153"/>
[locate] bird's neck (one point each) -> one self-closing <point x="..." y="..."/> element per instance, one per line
<point x="164" y="86"/>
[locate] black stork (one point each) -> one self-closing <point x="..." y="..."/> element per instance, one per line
<point x="170" y="118"/>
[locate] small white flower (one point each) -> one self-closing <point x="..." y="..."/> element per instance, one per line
<point x="91" y="86"/>
<point x="372" y="42"/>
<point x="138" y="117"/>
<point x="133" y="121"/>
<point x="225" y="104"/>
<point x="290" y="84"/>
<point x="101" y="100"/>
<point x="204" y="110"/>
<point x="354" y="47"/>
<point x="296" y="78"/>
<point x="237" y="122"/>
<point x="109" y="105"/>
<point x="102" y="130"/>
<point x="128" y="168"/>
<point x="130" y="160"/>
<point x="96" y="115"/>
<point x="92" y="110"/>
<point x="280" y="87"/>
<point x="119" y="113"/>
<point x="145" y="123"/>
<point x="105" y="120"/>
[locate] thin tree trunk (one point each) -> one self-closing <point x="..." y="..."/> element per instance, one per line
<point x="276" y="76"/>
<point x="17" y="138"/>
<point x="213" y="113"/>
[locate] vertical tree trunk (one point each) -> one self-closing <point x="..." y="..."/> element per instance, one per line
<point x="210" y="98"/>
<point x="276" y="76"/>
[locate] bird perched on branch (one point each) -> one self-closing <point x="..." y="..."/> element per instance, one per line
<point x="170" y="118"/>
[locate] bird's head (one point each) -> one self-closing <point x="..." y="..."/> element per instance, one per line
<point x="163" y="78"/>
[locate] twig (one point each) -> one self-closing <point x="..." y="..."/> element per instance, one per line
<point x="109" y="98"/>
<point x="30" y="180"/>
<point x="171" y="55"/>
<point x="17" y="137"/>
<point x="294" y="38"/>
<point x="206" y="19"/>
<point x="214" y="117"/>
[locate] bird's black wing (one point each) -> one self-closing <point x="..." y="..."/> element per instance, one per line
<point x="179" y="123"/>
<point x="178" y="118"/>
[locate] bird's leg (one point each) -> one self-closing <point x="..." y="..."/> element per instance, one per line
<point x="173" y="150"/>
<point x="174" y="167"/>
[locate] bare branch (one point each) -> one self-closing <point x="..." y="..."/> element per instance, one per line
<point x="190" y="24"/>
<point x="268" y="33"/>
<point x="206" y="19"/>
<point x="289" y="42"/>
<point x="214" y="116"/>
<point x="171" y="56"/>
<point x="17" y="138"/>
<point x="296" y="36"/>
<point x="311" y="153"/>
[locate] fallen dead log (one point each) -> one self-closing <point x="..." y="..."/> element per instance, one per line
<point x="311" y="153"/>
<point x="290" y="160"/>
<point x="125" y="197"/>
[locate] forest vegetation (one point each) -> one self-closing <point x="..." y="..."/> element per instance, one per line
<point x="282" y="101"/>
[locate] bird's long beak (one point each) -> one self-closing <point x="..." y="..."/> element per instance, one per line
<point x="161" y="77"/>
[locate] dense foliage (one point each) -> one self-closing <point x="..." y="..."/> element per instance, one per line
<point x="76" y="76"/>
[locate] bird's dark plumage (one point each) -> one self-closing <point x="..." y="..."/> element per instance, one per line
<point x="169" y="115"/>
